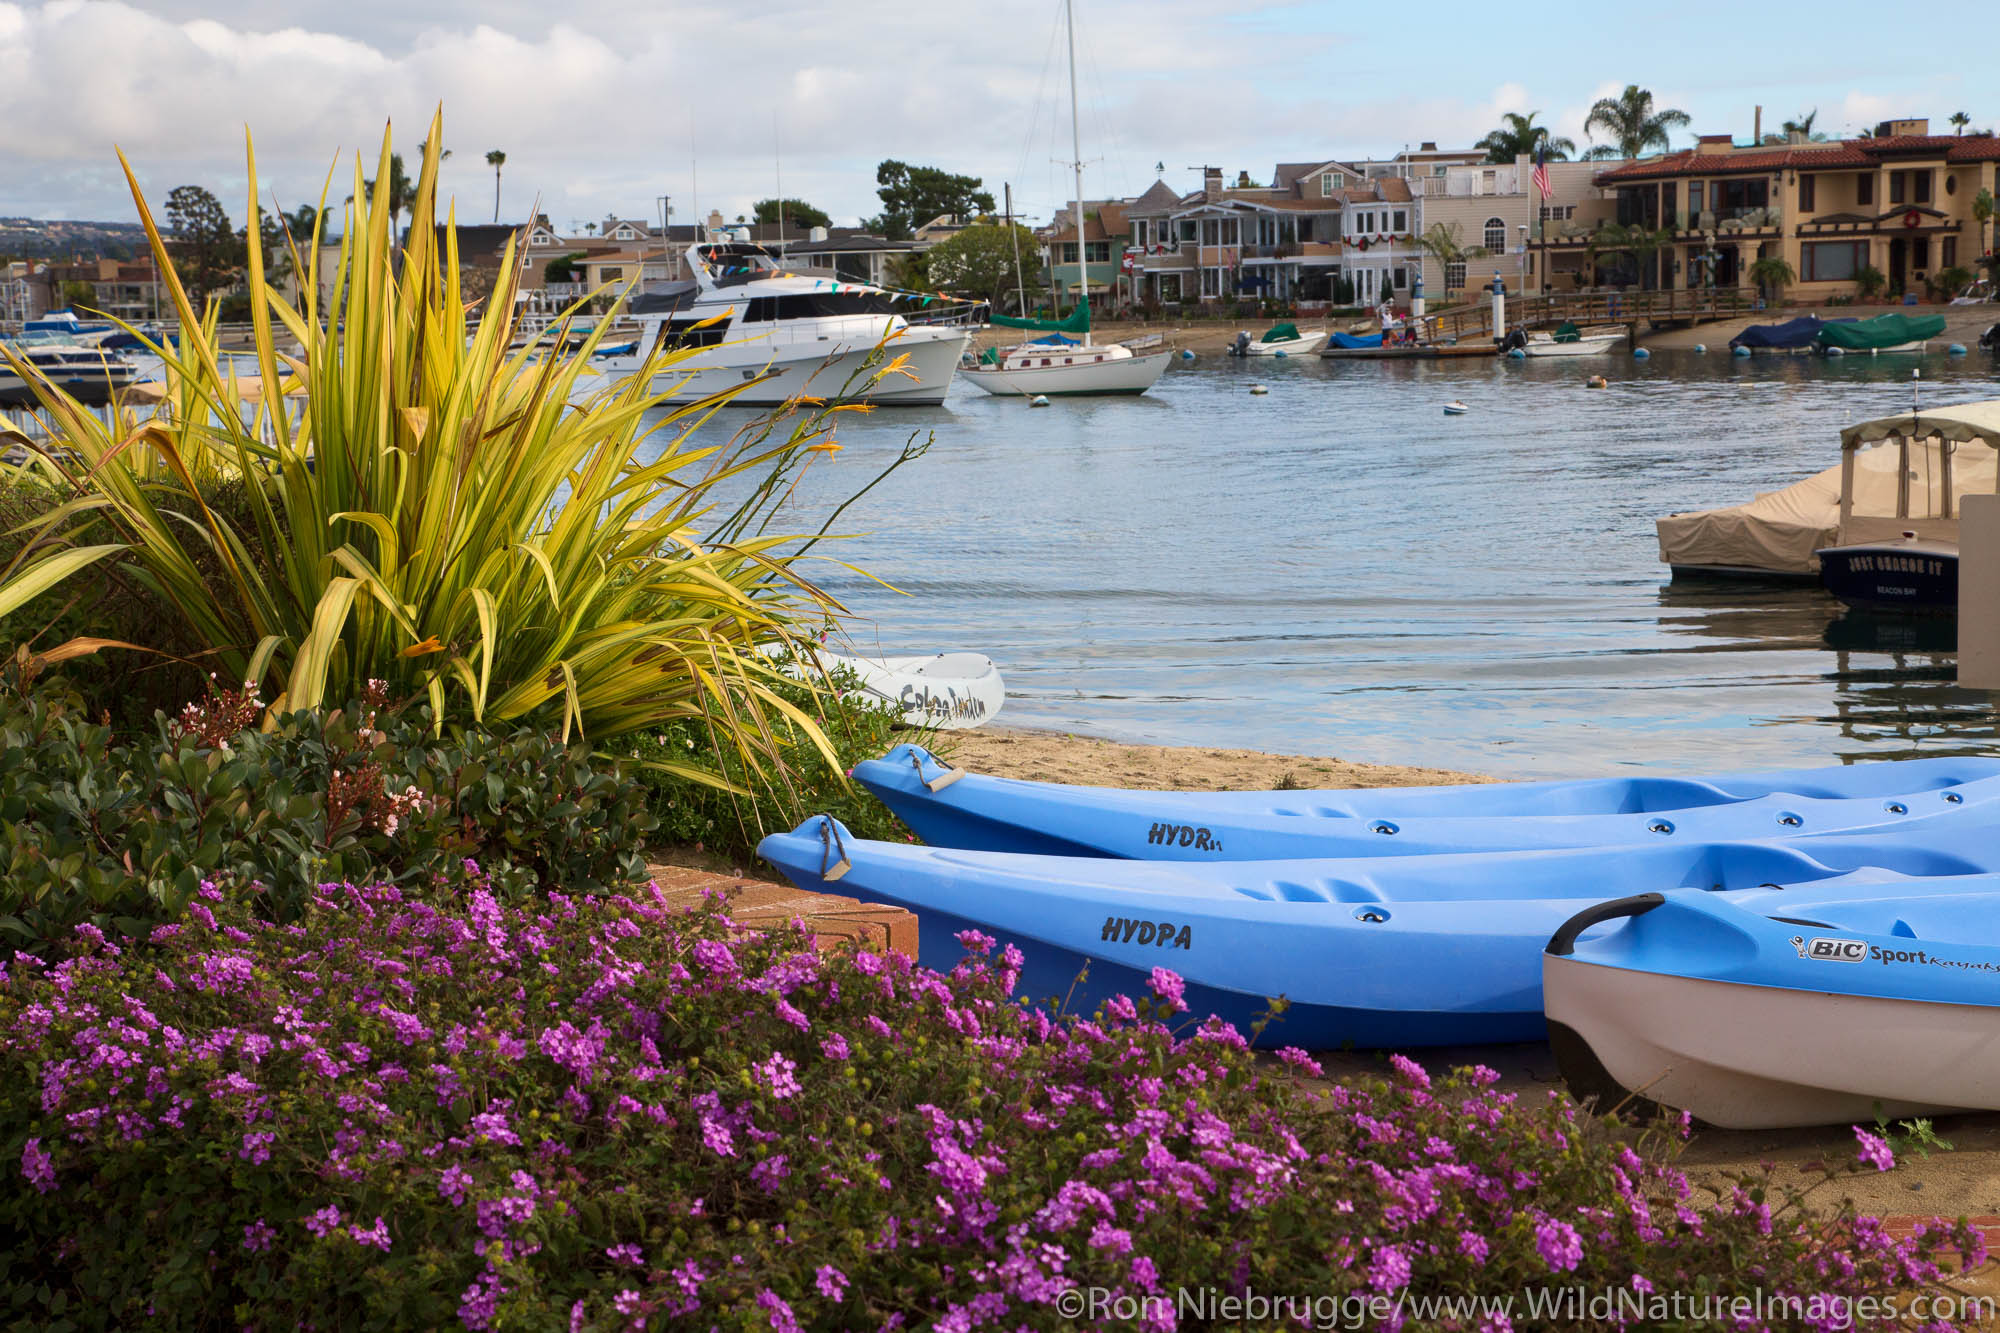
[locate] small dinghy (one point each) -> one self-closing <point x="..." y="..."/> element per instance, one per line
<point x="949" y="691"/>
<point x="1455" y="408"/>
<point x="949" y="807"/>
<point x="1380" y="952"/>
<point x="1827" y="1005"/>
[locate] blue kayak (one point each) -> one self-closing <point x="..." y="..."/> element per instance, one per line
<point x="949" y="807"/>
<point x="1378" y="951"/>
<point x="1795" y="1009"/>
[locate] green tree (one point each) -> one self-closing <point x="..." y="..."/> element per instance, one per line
<point x="302" y="223"/>
<point x="1802" y="126"/>
<point x="1982" y="213"/>
<point x="496" y="159"/>
<point x="1519" y="134"/>
<point x="207" y="251"/>
<point x="1772" y="275"/>
<point x="275" y="238"/>
<point x="979" y="261"/>
<point x="1959" y="121"/>
<point x="911" y="272"/>
<point x="796" y="211"/>
<point x="1445" y="243"/>
<point x="77" y="295"/>
<point x="912" y="196"/>
<point x="1868" y="280"/>
<point x="1630" y="121"/>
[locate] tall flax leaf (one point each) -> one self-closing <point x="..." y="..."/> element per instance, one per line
<point x="432" y="509"/>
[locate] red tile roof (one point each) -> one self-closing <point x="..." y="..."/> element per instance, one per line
<point x="1846" y="153"/>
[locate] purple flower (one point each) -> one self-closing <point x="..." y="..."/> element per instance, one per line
<point x="782" y="1318"/>
<point x="453" y="1183"/>
<point x="779" y="1074"/>
<point x="325" y="1220"/>
<point x="1412" y="1072"/>
<point x="1473" y="1246"/>
<point x="975" y="941"/>
<point x="377" y="1235"/>
<point x="257" y="1146"/>
<point x="714" y="956"/>
<point x="1874" y="1150"/>
<point x="38" y="1166"/>
<point x="259" y="1235"/>
<point x="623" y="1254"/>
<point x="1170" y="988"/>
<point x="1559" y="1245"/>
<point x="834" y="1047"/>
<point x="790" y="1013"/>
<point x="832" y="1283"/>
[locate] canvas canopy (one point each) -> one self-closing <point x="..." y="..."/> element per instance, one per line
<point x="1777" y="532"/>
<point x="1349" y="340"/>
<point x="1567" y="333"/>
<point x="1793" y="333"/>
<point x="1280" y="333"/>
<point x="1077" y="321"/>
<point x="1868" y="335"/>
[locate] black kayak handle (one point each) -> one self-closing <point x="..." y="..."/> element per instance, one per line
<point x="1563" y="942"/>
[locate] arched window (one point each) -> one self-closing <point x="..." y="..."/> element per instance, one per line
<point x="1496" y="236"/>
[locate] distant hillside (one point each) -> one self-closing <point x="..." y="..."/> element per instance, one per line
<point x="34" y="238"/>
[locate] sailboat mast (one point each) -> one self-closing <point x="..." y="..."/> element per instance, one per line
<point x="1076" y="150"/>
<point x="1014" y="235"/>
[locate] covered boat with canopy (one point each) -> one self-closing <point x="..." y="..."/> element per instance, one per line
<point x="1884" y="333"/>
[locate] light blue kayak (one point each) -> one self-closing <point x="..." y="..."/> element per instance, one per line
<point x="1801" y="1008"/>
<point x="949" y="807"/>
<point x="1380" y="951"/>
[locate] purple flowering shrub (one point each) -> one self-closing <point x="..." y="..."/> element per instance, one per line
<point x="602" y="1113"/>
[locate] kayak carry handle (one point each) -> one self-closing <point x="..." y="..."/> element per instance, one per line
<point x="942" y="780"/>
<point x="829" y="842"/>
<point x="1563" y="942"/>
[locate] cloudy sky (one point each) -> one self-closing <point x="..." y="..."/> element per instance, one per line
<point x="604" y="107"/>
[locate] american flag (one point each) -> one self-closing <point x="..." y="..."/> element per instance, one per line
<point x="1541" y="176"/>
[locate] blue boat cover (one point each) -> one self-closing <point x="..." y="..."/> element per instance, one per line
<point x="1057" y="338"/>
<point x="1349" y="340"/>
<point x="1792" y="333"/>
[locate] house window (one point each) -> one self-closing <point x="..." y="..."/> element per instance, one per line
<point x="1187" y="229"/>
<point x="1896" y="187"/>
<point x="1864" y="188"/>
<point x="1496" y="236"/>
<point x="1948" y="253"/>
<point x="610" y="273"/>
<point x="1139" y="235"/>
<point x="1695" y="204"/>
<point x="1920" y="254"/>
<point x="1211" y="232"/>
<point x="1211" y="282"/>
<point x="1326" y="185"/>
<point x="1402" y="277"/>
<point x="1806" y="193"/>
<point x="1097" y="252"/>
<point x="1401" y="224"/>
<point x="1832" y="261"/>
<point x="1068" y="253"/>
<point x="1454" y="277"/>
<point x="1920" y="187"/>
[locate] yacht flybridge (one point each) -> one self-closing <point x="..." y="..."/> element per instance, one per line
<point x="749" y="320"/>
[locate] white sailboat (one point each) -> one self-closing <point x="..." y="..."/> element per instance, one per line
<point x="1060" y="367"/>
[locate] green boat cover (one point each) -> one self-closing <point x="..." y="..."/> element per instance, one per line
<point x="990" y="357"/>
<point x="1869" y="335"/>
<point x="1568" y="333"/>
<point x="1077" y="321"/>
<point x="1280" y="333"/>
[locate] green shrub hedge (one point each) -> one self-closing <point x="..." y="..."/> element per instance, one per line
<point x="121" y="835"/>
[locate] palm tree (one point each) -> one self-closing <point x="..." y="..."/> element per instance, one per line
<point x="1772" y="274"/>
<point x="1521" y="135"/>
<point x="1630" y="120"/>
<point x="1444" y="243"/>
<point x="496" y="160"/>
<point x="1802" y="126"/>
<point x="1960" y="120"/>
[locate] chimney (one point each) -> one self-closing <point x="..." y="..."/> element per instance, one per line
<point x="1211" y="184"/>
<point x="1757" y="126"/>
<point x="1427" y="147"/>
<point x="1242" y="180"/>
<point x="1714" y="143"/>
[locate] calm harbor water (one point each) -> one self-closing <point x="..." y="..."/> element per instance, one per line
<point x="1337" y="568"/>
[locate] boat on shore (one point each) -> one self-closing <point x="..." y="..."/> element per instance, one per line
<point x="1884" y="333"/>
<point x="1830" y="1005"/>
<point x="1792" y="335"/>
<point x="1901" y="554"/>
<point x="947" y="691"/>
<point x="1373" y="952"/>
<point x="750" y="323"/>
<point x="1279" y="340"/>
<point x="949" y="807"/>
<point x="1568" y="340"/>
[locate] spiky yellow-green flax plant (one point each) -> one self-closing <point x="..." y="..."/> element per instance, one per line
<point x="432" y="509"/>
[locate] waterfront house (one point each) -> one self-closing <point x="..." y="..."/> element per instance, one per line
<point x="1899" y="202"/>
<point x="1244" y="241"/>
<point x="1499" y="220"/>
<point x="1105" y="236"/>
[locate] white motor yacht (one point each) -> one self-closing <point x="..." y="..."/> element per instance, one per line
<point x="88" y="374"/>
<point x="793" y="333"/>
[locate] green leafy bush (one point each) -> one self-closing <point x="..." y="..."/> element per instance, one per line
<point x="602" y="1114"/>
<point x="121" y="835"/>
<point x="731" y="823"/>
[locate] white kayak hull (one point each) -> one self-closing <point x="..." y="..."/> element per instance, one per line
<point x="949" y="691"/>
<point x="1112" y="375"/>
<point x="1763" y="1057"/>
<point x="1594" y="345"/>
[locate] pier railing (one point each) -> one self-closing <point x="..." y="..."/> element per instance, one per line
<point x="1696" y="305"/>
